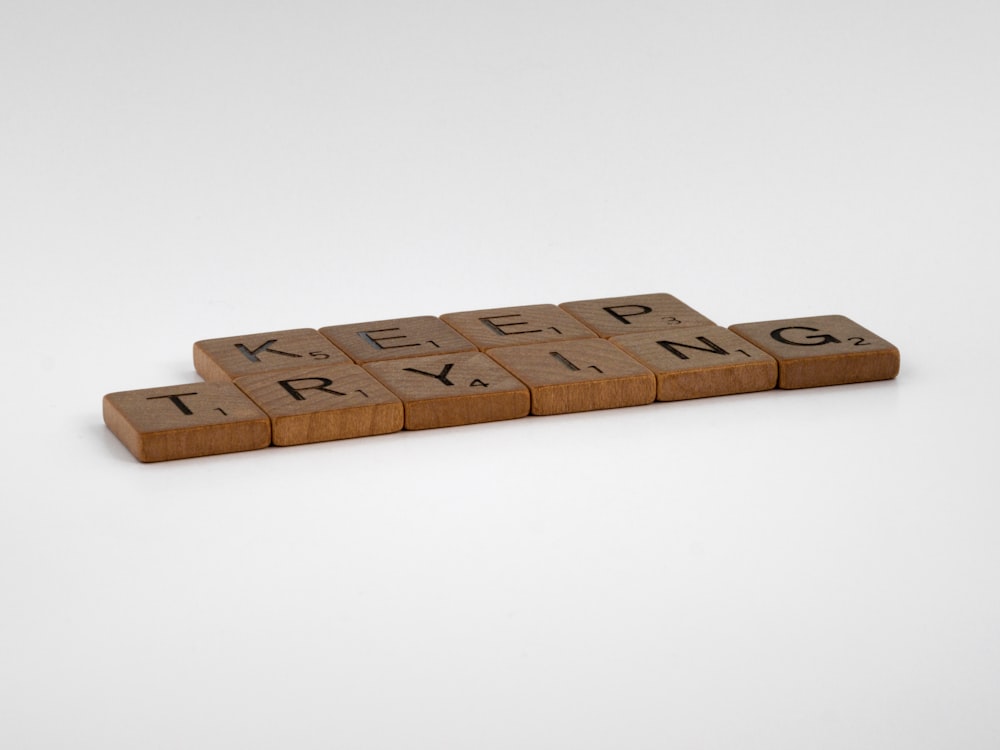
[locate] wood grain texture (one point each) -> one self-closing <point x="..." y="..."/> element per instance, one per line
<point x="185" y="421"/>
<point x="380" y="340"/>
<point x="617" y="316"/>
<point x="579" y="375"/>
<point x="235" y="356"/>
<point x="453" y="389"/>
<point x="700" y="361"/>
<point x="331" y="402"/>
<point x="516" y="326"/>
<point x="822" y="350"/>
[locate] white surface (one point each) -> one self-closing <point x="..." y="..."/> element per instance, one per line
<point x="782" y="570"/>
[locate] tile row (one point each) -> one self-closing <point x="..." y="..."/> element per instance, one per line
<point x="306" y="385"/>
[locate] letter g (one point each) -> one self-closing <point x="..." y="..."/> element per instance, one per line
<point x="822" y="339"/>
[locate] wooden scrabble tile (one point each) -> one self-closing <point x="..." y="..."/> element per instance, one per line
<point x="234" y="356"/>
<point x="184" y="421"/>
<point x="515" y="326"/>
<point x="700" y="361"/>
<point x="579" y="375"/>
<point x="453" y="389"/>
<point x="380" y="340"/>
<point x="328" y="402"/>
<point x="823" y="350"/>
<point x="616" y="316"/>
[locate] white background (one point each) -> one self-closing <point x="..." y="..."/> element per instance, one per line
<point x="814" y="568"/>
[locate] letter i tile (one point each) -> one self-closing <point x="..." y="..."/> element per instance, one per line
<point x="822" y="350"/>
<point x="453" y="389"/>
<point x="185" y="421"/>
<point x="314" y="404"/>
<point x="700" y="361"/>
<point x="579" y="375"/>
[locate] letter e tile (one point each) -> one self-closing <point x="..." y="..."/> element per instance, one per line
<point x="822" y="350"/>
<point x="579" y="375"/>
<point x="184" y="421"/>
<point x="379" y="340"/>
<point x="515" y="326"/>
<point x="333" y="402"/>
<point x="234" y="356"/>
<point x="700" y="361"/>
<point x="453" y="389"/>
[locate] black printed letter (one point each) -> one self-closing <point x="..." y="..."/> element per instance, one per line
<point x="710" y="347"/>
<point x="251" y="354"/>
<point x="367" y="336"/>
<point x="442" y="376"/>
<point x="823" y="339"/>
<point x="293" y="390"/>
<point x="175" y="399"/>
<point x="623" y="316"/>
<point x="498" y="328"/>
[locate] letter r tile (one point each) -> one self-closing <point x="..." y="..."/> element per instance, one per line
<point x="328" y="402"/>
<point x="515" y="326"/>
<point x="822" y="350"/>
<point x="184" y="421"/>
<point x="579" y="375"/>
<point x="453" y="389"/>
<point x="234" y="356"/>
<point x="380" y="340"/>
<point x="700" y="361"/>
<point x="615" y="316"/>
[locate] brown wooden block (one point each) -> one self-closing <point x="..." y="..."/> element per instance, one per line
<point x="822" y="350"/>
<point x="235" y="356"/>
<point x="184" y="421"/>
<point x="453" y="389"/>
<point x="616" y="316"/>
<point x="579" y="375"/>
<point x="700" y="361"/>
<point x="515" y="326"/>
<point x="330" y="402"/>
<point x="380" y="340"/>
